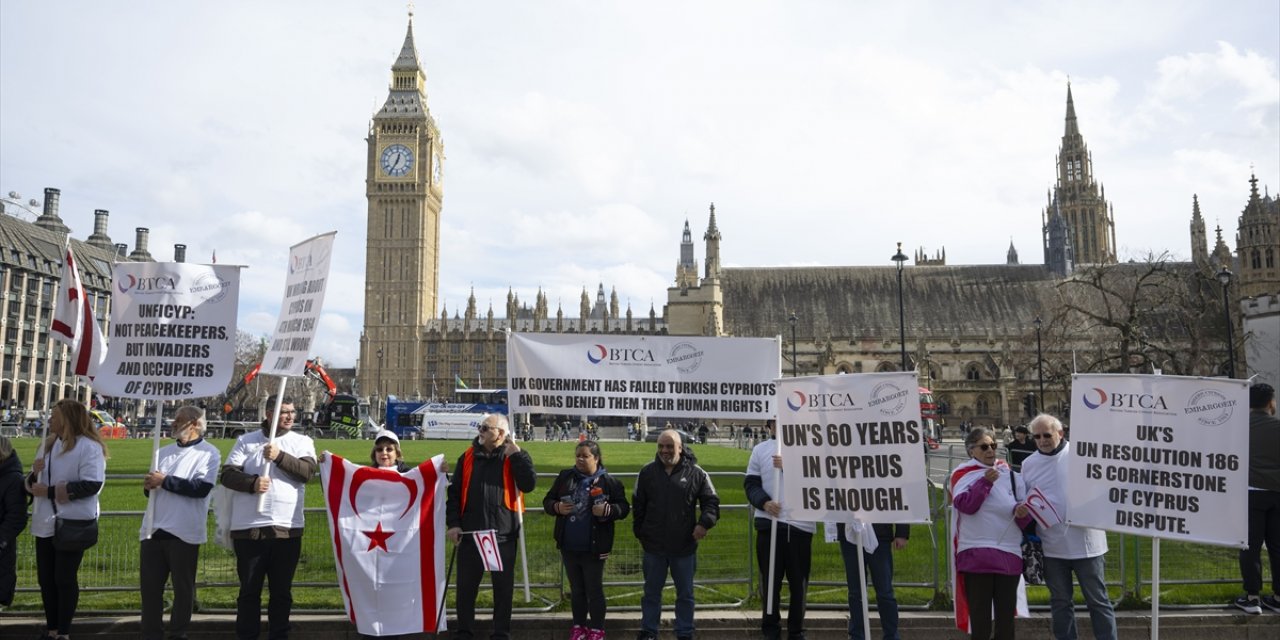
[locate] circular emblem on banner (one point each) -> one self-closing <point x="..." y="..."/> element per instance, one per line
<point x="209" y="288"/>
<point x="888" y="398"/>
<point x="686" y="357"/>
<point x="1210" y="407"/>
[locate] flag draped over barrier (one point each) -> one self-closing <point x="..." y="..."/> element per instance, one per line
<point x="388" y="542"/>
<point x="74" y="323"/>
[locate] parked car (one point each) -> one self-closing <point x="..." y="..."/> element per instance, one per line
<point x="146" y="423"/>
<point x="685" y="437"/>
<point x="107" y="425"/>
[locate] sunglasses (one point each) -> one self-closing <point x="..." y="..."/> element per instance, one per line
<point x="387" y="448"/>
<point x="1041" y="436"/>
<point x="484" y="428"/>
<point x="984" y="446"/>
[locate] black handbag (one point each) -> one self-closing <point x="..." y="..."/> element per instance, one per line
<point x="1032" y="550"/>
<point x="70" y="534"/>
<point x="74" y="535"/>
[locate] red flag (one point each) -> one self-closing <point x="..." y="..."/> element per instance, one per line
<point x="388" y="542"/>
<point x="1041" y="509"/>
<point x="74" y="323"/>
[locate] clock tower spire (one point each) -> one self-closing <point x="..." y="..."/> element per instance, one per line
<point x="404" y="188"/>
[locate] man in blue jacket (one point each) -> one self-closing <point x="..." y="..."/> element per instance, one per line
<point x="669" y="528"/>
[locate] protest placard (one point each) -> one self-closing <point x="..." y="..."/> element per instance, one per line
<point x="601" y="375"/>
<point x="173" y="330"/>
<point x="1160" y="456"/>
<point x="853" y="448"/>
<point x="304" y="287"/>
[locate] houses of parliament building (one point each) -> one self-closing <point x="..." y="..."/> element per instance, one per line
<point x="968" y="327"/>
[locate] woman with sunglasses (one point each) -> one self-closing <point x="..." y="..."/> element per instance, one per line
<point x="586" y="501"/>
<point x="986" y="539"/>
<point x="386" y="452"/>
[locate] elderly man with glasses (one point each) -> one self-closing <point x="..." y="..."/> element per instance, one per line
<point x="487" y="494"/>
<point x="1067" y="549"/>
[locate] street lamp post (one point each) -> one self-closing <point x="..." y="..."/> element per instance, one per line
<point x="1225" y="276"/>
<point x="794" y="363"/>
<point x="900" y="258"/>
<point x="379" y="386"/>
<point x="1039" y="366"/>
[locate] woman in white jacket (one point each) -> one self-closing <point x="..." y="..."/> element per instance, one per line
<point x="69" y="469"/>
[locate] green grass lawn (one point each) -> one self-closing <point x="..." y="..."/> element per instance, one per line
<point x="726" y="559"/>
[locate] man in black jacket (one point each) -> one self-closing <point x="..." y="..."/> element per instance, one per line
<point x="888" y="538"/>
<point x="669" y="528"/>
<point x="1264" y="501"/>
<point x="485" y="494"/>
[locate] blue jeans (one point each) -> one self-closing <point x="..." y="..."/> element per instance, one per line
<point x="1089" y="571"/>
<point x="655" y="567"/>
<point x="880" y="564"/>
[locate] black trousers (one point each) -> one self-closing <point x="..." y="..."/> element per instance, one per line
<point x="470" y="571"/>
<point x="8" y="572"/>
<point x="161" y="558"/>
<point x="1264" y="526"/>
<point x="792" y="560"/>
<point x="57" y="572"/>
<point x="273" y="561"/>
<point x="983" y="590"/>
<point x="585" y="571"/>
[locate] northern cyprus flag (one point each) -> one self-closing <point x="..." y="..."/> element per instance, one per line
<point x="388" y="542"/>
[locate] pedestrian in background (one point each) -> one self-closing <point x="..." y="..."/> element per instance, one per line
<point x="182" y="482"/>
<point x="66" y="477"/>
<point x="586" y="501"/>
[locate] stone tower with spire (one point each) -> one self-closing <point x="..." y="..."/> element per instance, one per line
<point x="1199" y="239"/>
<point x="1258" y="244"/>
<point x="1081" y="199"/>
<point x="404" y="174"/>
<point x="696" y="307"/>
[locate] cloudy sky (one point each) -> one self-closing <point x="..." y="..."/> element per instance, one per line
<point x="581" y="135"/>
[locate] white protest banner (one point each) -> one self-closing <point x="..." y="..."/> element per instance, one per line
<point x="173" y="330"/>
<point x="603" y="375"/>
<point x="1160" y="456"/>
<point x="304" y="288"/>
<point x="853" y="448"/>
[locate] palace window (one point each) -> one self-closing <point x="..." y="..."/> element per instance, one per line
<point x="983" y="407"/>
<point x="972" y="372"/>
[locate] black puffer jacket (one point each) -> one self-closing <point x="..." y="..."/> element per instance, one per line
<point x="665" y="506"/>
<point x="601" y="527"/>
<point x="13" y="500"/>
<point x="486" y="505"/>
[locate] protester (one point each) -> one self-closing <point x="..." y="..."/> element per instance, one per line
<point x="386" y="452"/>
<point x="1020" y="447"/>
<point x="1067" y="549"/>
<point x="66" y="477"/>
<point x="792" y="547"/>
<point x="669" y="528"/>
<point x="586" y="539"/>
<point x="182" y="482"/>
<point x="1264" y="501"/>
<point x="987" y="544"/>
<point x="879" y="561"/>
<point x="486" y="495"/>
<point x="13" y="519"/>
<point x="268" y="543"/>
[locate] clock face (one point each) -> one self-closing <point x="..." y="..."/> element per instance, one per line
<point x="438" y="169"/>
<point x="397" y="160"/>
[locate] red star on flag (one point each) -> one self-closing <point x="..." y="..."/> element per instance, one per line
<point x="378" y="538"/>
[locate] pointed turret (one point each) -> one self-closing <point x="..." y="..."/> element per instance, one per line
<point x="1072" y="127"/>
<point x="1011" y="256"/>
<point x="712" y="237"/>
<point x="1199" y="240"/>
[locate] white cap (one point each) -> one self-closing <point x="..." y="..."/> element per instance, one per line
<point x="385" y="434"/>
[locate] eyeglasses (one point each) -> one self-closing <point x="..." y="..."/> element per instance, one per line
<point x="385" y="449"/>
<point x="984" y="446"/>
<point x="1042" y="436"/>
<point x="484" y="427"/>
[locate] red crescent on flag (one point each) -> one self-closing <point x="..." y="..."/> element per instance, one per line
<point x="364" y="474"/>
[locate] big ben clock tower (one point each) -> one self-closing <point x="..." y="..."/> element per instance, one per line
<point x="402" y="251"/>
